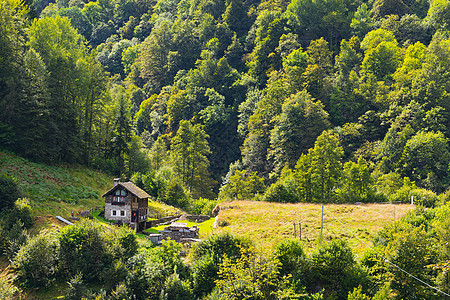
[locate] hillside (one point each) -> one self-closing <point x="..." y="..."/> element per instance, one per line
<point x="60" y="189"/>
<point x="268" y="223"/>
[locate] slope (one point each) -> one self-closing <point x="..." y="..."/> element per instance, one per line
<point x="268" y="223"/>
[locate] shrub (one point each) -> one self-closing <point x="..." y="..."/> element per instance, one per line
<point x="9" y="192"/>
<point x="82" y="250"/>
<point x="292" y="259"/>
<point x="36" y="262"/>
<point x="7" y="288"/>
<point x="335" y="269"/>
<point x="278" y="192"/>
<point x="176" y="289"/>
<point x="252" y="276"/>
<point x="175" y="195"/>
<point x="113" y="276"/>
<point x="219" y="245"/>
<point x="120" y="292"/>
<point x="424" y="197"/>
<point x="16" y="238"/>
<point x="77" y="288"/>
<point x="202" y="206"/>
<point x="204" y="274"/>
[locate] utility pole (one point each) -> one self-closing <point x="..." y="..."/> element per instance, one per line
<point x="321" y="227"/>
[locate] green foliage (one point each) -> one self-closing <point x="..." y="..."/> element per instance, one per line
<point x="356" y="183"/>
<point x="9" y="192"/>
<point x="82" y="250"/>
<point x="318" y="171"/>
<point x="205" y="271"/>
<point x="219" y="246"/>
<point x="293" y="261"/>
<point x="77" y="289"/>
<point x="251" y="276"/>
<point x="36" y="263"/>
<point x="189" y="149"/>
<point x="202" y="206"/>
<point x="357" y="294"/>
<point x="9" y="290"/>
<point x="413" y="251"/>
<point x="243" y="186"/>
<point x="175" y="288"/>
<point x="301" y="121"/>
<point x="425" y="159"/>
<point x="279" y="192"/>
<point x="336" y="270"/>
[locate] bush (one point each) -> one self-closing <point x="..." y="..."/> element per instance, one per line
<point x="424" y="197"/>
<point x="335" y="269"/>
<point x="291" y="256"/>
<point x="7" y="288"/>
<point x="120" y="292"/>
<point x="77" y="289"/>
<point x="20" y="213"/>
<point x="115" y="275"/>
<point x="204" y="274"/>
<point x="9" y="192"/>
<point x="202" y="206"/>
<point x="82" y="250"/>
<point x="36" y="263"/>
<point x="278" y="192"/>
<point x="15" y="239"/>
<point x="176" y="289"/>
<point x="219" y="245"/>
<point x="175" y="195"/>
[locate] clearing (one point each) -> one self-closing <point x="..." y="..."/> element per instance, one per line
<point x="268" y="223"/>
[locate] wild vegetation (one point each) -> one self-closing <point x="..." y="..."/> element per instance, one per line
<point x="324" y="101"/>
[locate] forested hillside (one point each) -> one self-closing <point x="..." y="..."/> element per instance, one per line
<point x="320" y="101"/>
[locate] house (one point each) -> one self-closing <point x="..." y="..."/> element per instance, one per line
<point x="128" y="204"/>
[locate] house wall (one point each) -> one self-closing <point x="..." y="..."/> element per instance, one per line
<point x="126" y="206"/>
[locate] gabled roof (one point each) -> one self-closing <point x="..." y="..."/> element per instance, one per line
<point x="132" y="188"/>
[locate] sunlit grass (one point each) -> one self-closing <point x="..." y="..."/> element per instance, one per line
<point x="269" y="223"/>
<point x="56" y="189"/>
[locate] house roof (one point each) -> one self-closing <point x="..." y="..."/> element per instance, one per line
<point x="132" y="188"/>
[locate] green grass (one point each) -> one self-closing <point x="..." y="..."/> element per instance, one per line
<point x="267" y="223"/>
<point x="61" y="189"/>
<point x="56" y="189"/>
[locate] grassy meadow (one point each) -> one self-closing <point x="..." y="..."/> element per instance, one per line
<point x="267" y="223"/>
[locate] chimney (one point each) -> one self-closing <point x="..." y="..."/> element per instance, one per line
<point x="116" y="181"/>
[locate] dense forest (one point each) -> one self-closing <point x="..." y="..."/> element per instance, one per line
<point x="319" y="101"/>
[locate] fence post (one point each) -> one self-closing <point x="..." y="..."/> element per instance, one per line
<point x="300" y="230"/>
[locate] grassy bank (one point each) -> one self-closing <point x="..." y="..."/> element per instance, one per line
<point x="61" y="189"/>
<point x="56" y="189"/>
<point x="268" y="223"/>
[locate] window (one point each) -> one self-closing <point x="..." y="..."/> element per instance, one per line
<point x="119" y="199"/>
<point x="122" y="213"/>
<point x="113" y="213"/>
<point x="120" y="192"/>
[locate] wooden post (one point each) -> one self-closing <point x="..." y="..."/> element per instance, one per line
<point x="295" y="232"/>
<point x="300" y="230"/>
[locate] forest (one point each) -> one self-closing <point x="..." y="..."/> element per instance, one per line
<point x="301" y="101"/>
<point x="200" y="101"/>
